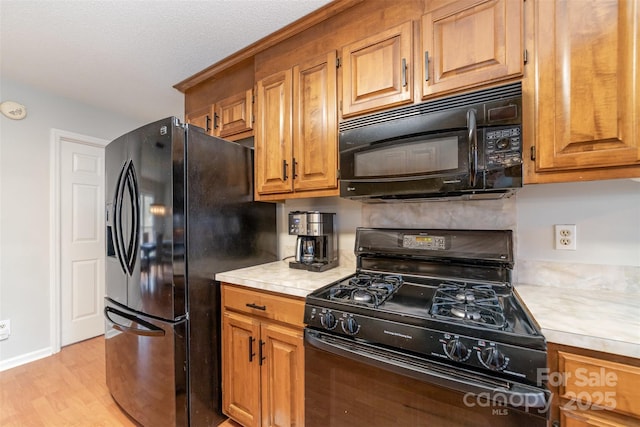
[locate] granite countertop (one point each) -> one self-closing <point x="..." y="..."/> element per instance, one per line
<point x="279" y="277"/>
<point x="604" y="321"/>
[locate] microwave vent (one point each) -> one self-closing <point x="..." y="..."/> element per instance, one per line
<point x="437" y="105"/>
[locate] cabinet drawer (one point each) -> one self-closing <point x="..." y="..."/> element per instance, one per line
<point x="599" y="382"/>
<point x="260" y="303"/>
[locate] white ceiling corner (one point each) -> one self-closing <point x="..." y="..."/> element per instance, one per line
<point x="126" y="55"/>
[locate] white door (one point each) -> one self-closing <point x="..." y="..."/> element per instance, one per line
<point x="82" y="244"/>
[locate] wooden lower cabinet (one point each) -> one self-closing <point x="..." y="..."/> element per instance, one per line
<point x="262" y="358"/>
<point x="593" y="389"/>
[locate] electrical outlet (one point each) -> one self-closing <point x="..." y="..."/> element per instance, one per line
<point x="566" y="237"/>
<point x="5" y="329"/>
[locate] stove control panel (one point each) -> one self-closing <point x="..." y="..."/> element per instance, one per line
<point x="460" y="349"/>
<point x="424" y="241"/>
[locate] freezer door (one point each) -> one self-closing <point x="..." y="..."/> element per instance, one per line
<point x="146" y="366"/>
<point x="157" y="152"/>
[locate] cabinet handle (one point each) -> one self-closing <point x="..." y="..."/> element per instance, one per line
<point x="261" y="357"/>
<point x="426" y="65"/>
<point x="404" y="72"/>
<point x="284" y="170"/>
<point x="257" y="307"/>
<point x="294" y="169"/>
<point x="215" y="120"/>
<point x="208" y="124"/>
<point x="251" y="353"/>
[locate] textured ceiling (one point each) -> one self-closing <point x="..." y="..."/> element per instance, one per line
<point x="126" y="55"/>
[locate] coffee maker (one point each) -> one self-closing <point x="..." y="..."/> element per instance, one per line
<point x="317" y="242"/>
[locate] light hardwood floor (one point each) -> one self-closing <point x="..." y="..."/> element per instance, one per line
<point x="67" y="389"/>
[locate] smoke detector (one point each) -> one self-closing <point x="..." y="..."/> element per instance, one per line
<point x="13" y="110"/>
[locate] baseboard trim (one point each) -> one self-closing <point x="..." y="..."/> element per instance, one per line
<point x="25" y="358"/>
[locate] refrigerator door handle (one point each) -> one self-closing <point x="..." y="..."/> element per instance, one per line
<point x="127" y="254"/>
<point x="147" y="330"/>
<point x="117" y="220"/>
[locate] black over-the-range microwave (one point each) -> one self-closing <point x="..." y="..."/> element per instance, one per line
<point x="466" y="146"/>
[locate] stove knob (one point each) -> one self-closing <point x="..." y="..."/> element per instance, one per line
<point x="328" y="320"/>
<point x="493" y="359"/>
<point x="350" y="326"/>
<point x="456" y="350"/>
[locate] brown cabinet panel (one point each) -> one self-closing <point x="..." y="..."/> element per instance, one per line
<point x="203" y="118"/>
<point x="235" y="116"/>
<point x="282" y="377"/>
<point x="315" y="137"/>
<point x="377" y="71"/>
<point x="240" y="375"/>
<point x="262" y="357"/>
<point x="263" y="304"/>
<point x="469" y="43"/>
<point x="600" y="383"/>
<point x="592" y="388"/>
<point x="273" y="150"/>
<point x="586" y="86"/>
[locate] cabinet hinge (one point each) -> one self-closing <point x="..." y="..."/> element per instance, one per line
<point x="340" y="105"/>
<point x="533" y="152"/>
<point x="253" y="99"/>
<point x="338" y="62"/>
<point x="525" y="55"/>
<point x="338" y="173"/>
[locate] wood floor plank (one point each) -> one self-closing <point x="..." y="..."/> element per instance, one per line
<point x="67" y="389"/>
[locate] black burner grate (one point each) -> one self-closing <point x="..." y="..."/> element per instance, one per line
<point x="370" y="290"/>
<point x="473" y="304"/>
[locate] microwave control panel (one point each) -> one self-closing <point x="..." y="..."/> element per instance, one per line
<point x="503" y="146"/>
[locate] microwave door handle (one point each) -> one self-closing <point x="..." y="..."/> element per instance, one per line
<point x="472" y="128"/>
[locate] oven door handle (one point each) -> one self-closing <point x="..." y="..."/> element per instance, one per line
<point x="497" y="391"/>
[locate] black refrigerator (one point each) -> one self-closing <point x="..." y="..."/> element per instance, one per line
<point x="179" y="209"/>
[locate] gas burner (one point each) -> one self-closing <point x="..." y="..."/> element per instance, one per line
<point x="365" y="289"/>
<point x="466" y="312"/>
<point x="466" y="296"/>
<point x="474" y="304"/>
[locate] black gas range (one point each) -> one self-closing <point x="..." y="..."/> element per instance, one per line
<point x="442" y="299"/>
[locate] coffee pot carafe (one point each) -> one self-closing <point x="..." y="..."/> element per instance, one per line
<point x="317" y="243"/>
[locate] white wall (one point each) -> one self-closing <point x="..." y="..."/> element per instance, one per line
<point x="606" y="214"/>
<point x="24" y="207"/>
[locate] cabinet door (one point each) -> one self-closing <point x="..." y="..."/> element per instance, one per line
<point x="376" y="71"/>
<point x="273" y="150"/>
<point x="587" y="79"/>
<point x="203" y="118"/>
<point x="282" y="377"/>
<point x="315" y="140"/>
<point x="469" y="43"/>
<point x="235" y="116"/>
<point x="241" y="368"/>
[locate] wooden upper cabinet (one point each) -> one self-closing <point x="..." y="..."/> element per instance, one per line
<point x="315" y="128"/>
<point x="376" y="71"/>
<point x="234" y="116"/>
<point x="296" y="131"/>
<point x="587" y="77"/>
<point x="203" y="118"/>
<point x="469" y="43"/>
<point x="273" y="149"/>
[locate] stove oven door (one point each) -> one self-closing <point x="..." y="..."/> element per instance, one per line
<point x="352" y="384"/>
